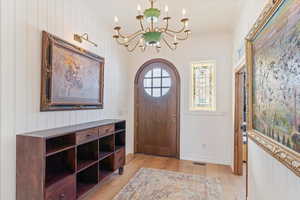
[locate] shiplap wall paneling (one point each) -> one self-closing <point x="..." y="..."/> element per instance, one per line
<point x="22" y="23"/>
<point x="268" y="178"/>
<point x="8" y="108"/>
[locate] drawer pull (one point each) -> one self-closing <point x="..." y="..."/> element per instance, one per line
<point x="61" y="196"/>
<point x="88" y="135"/>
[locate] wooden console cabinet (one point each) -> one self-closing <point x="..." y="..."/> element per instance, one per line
<point x="65" y="163"/>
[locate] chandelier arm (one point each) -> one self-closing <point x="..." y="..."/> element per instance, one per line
<point x="167" y="26"/>
<point x="166" y="42"/>
<point x="132" y="38"/>
<point x="144" y="48"/>
<point x="135" y="36"/>
<point x="142" y="26"/>
<point x="120" y="43"/>
<point x="157" y="49"/>
<point x="129" y="36"/>
<point x="178" y="37"/>
<point x="135" y="46"/>
<point x="180" y="31"/>
<point x="185" y="37"/>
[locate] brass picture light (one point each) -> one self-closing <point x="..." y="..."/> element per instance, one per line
<point x="85" y="37"/>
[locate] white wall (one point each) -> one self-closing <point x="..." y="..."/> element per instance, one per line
<point x="204" y="137"/>
<point x="268" y="178"/>
<point x="249" y="12"/>
<point x="0" y="88"/>
<point x="21" y="26"/>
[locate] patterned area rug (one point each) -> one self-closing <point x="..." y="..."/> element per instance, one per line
<point x="153" y="184"/>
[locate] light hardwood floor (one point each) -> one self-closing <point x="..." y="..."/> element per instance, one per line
<point x="233" y="186"/>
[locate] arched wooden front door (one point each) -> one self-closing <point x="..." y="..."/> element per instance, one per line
<point x="157" y="109"/>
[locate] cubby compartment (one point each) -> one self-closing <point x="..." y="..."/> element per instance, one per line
<point x="120" y="126"/>
<point x="87" y="154"/>
<point x="106" y="167"/>
<point x="59" y="166"/>
<point x="58" y="144"/>
<point x="87" y="179"/>
<point x="120" y="140"/>
<point x="106" y="146"/>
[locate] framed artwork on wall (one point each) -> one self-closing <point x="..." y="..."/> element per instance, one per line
<point x="273" y="59"/>
<point x="72" y="78"/>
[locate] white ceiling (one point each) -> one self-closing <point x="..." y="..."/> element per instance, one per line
<point x="206" y="16"/>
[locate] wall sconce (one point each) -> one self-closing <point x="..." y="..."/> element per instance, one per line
<point x="85" y="37"/>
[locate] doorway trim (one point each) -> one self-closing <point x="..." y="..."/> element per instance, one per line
<point x="238" y="138"/>
<point x="178" y="86"/>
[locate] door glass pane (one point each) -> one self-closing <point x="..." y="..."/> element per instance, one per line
<point x="165" y="73"/>
<point x="166" y="82"/>
<point x="156" y="82"/>
<point x="157" y="72"/>
<point x="148" y="91"/>
<point x="156" y="92"/>
<point x="147" y="83"/>
<point x="148" y="74"/>
<point x="165" y="91"/>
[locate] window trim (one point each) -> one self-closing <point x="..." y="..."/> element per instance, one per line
<point x="213" y="108"/>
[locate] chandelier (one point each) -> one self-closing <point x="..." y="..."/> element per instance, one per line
<point x="150" y="34"/>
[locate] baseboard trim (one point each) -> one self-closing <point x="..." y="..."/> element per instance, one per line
<point x="129" y="157"/>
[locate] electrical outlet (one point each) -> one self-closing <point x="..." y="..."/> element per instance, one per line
<point x="204" y="146"/>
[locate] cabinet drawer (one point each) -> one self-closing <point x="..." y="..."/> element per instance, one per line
<point x="87" y="135"/>
<point x="62" y="190"/>
<point x="119" y="158"/>
<point x="104" y="130"/>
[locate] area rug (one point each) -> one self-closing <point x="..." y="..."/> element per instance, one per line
<point x="154" y="184"/>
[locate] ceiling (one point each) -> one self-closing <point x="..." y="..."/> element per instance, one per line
<point x="206" y="16"/>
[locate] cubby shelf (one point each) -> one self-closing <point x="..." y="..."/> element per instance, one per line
<point x="106" y="167"/>
<point x="103" y="155"/>
<point x="106" y="146"/>
<point x="85" y="165"/>
<point x="55" y="177"/>
<point x="87" y="154"/>
<point x="59" y="144"/>
<point x="87" y="179"/>
<point x="69" y="161"/>
<point x="119" y="140"/>
<point x="59" y="166"/>
<point x="58" y="150"/>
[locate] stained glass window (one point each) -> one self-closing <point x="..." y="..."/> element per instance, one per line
<point x="203" y="86"/>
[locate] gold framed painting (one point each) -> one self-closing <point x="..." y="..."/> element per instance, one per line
<point x="72" y="78"/>
<point x="273" y="60"/>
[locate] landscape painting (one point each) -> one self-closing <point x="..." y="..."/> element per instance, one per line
<point x="72" y="78"/>
<point x="276" y="77"/>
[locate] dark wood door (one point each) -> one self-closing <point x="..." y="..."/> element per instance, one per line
<point x="157" y="91"/>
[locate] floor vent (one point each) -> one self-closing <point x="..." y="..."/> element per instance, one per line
<point x="199" y="163"/>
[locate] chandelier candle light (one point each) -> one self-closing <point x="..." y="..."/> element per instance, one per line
<point x="152" y="35"/>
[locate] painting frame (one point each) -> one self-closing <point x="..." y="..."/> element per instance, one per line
<point x="287" y="156"/>
<point x="48" y="102"/>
